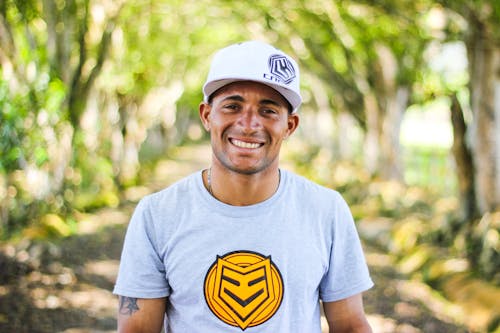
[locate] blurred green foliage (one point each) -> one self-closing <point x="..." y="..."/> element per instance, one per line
<point x="92" y="91"/>
<point x="429" y="167"/>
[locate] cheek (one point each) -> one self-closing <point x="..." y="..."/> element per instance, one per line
<point x="217" y="130"/>
<point x="282" y="133"/>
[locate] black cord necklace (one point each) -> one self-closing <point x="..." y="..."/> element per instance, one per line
<point x="209" y="181"/>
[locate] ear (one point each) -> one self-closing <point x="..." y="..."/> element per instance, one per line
<point x="293" y="123"/>
<point x="204" y="111"/>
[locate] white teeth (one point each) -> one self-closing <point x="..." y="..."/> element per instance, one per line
<point x="243" y="144"/>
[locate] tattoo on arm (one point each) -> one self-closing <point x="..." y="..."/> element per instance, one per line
<point x="128" y="305"/>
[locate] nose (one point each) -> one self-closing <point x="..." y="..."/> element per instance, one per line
<point x="249" y="119"/>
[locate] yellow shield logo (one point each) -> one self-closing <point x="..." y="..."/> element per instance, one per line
<point x="243" y="289"/>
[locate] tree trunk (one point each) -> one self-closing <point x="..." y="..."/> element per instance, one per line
<point x="463" y="161"/>
<point x="372" y="135"/>
<point x="484" y="68"/>
<point x="390" y="162"/>
<point x="384" y="107"/>
<point x="382" y="153"/>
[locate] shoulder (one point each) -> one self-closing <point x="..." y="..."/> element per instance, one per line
<point x="317" y="203"/>
<point x="165" y="205"/>
<point x="316" y="199"/>
<point x="158" y="213"/>
<point x="307" y="190"/>
<point x="177" y="191"/>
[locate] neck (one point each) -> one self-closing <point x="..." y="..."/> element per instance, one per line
<point x="239" y="189"/>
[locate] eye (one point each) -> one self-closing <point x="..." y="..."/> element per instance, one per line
<point x="230" y="106"/>
<point x="269" y="112"/>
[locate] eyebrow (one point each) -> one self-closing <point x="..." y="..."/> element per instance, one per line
<point x="240" y="98"/>
<point x="272" y="102"/>
<point x="234" y="98"/>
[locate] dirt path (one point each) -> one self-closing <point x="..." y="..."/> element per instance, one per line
<point x="398" y="304"/>
<point x="65" y="286"/>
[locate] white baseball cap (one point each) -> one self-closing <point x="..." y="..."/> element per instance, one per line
<point x="255" y="61"/>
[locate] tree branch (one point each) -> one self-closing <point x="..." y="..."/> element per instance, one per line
<point x="50" y="17"/>
<point x="7" y="44"/>
<point x="80" y="87"/>
<point x="75" y="92"/>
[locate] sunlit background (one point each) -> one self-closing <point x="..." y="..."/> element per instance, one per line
<point x="99" y="106"/>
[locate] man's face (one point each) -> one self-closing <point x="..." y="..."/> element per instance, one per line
<point x="247" y="121"/>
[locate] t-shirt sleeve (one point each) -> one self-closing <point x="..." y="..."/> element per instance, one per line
<point x="347" y="273"/>
<point x="142" y="272"/>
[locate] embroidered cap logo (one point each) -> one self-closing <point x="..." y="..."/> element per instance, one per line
<point x="281" y="68"/>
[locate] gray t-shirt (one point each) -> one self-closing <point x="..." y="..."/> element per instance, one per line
<point x="259" y="268"/>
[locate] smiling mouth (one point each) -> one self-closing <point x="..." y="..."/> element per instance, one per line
<point x="243" y="144"/>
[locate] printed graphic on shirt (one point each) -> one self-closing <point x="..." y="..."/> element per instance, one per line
<point x="243" y="288"/>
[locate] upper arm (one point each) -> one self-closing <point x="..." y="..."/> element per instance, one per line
<point x="138" y="315"/>
<point x="347" y="315"/>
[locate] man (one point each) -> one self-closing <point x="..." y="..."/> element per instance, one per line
<point x="244" y="245"/>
